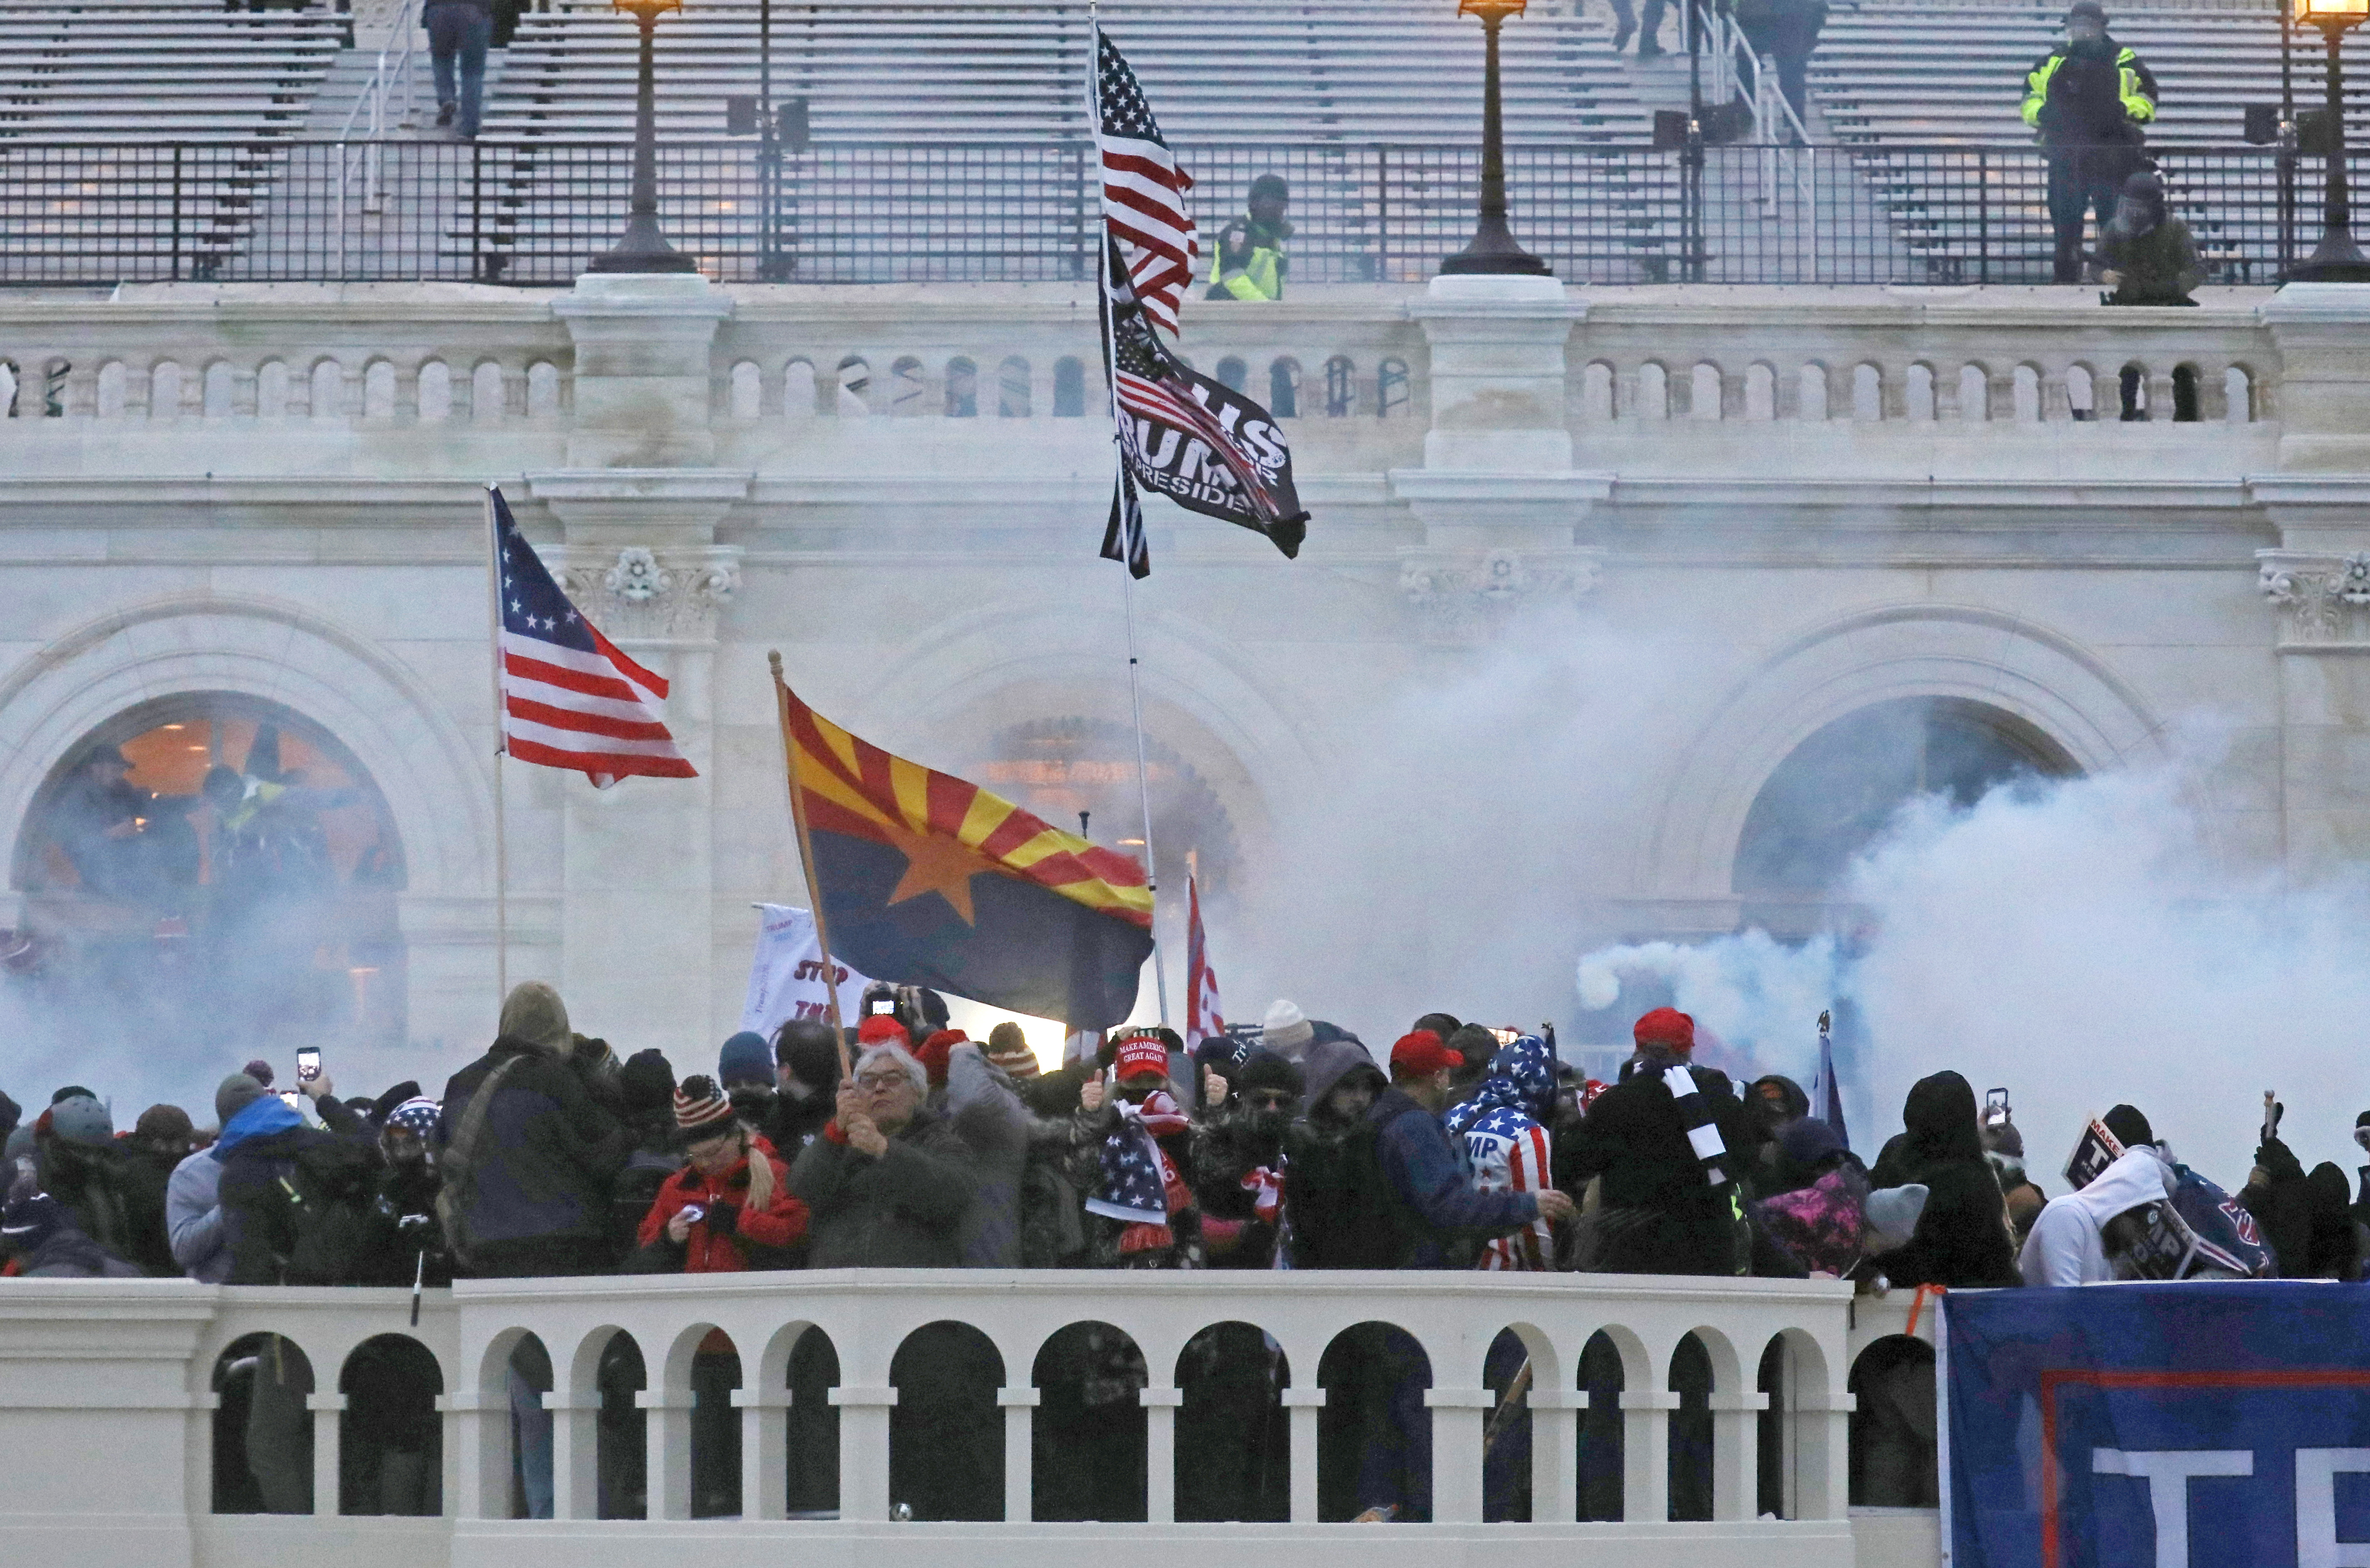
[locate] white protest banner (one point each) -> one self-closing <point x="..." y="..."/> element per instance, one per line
<point x="785" y="974"/>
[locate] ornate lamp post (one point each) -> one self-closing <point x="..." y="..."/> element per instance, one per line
<point x="2337" y="259"/>
<point x="642" y="248"/>
<point x="1493" y="248"/>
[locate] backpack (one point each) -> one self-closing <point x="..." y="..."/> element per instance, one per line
<point x="1343" y="1213"/>
<point x="458" y="1195"/>
<point x="320" y="1207"/>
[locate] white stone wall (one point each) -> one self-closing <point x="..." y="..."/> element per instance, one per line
<point x="1829" y="497"/>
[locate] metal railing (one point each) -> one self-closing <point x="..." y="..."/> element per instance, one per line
<point x="533" y="213"/>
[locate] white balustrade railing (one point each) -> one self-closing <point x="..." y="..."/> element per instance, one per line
<point x="107" y="1399"/>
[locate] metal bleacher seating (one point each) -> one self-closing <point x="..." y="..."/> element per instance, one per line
<point x="1899" y="82"/>
<point x="129" y="127"/>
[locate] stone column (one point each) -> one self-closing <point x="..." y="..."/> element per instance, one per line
<point x="666" y="1447"/>
<point x="1555" y="1453"/>
<point x="1458" y="1416"/>
<point x="863" y="1452"/>
<point x="2322" y="401"/>
<point x="575" y="1455"/>
<point x="1735" y="1453"/>
<point x="1646" y="1453"/>
<point x="1304" y="1404"/>
<point x="764" y="1457"/>
<point x="326" y="1409"/>
<point x="1020" y="1407"/>
<point x="1160" y="1453"/>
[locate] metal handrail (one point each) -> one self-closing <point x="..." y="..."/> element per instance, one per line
<point x="385" y="79"/>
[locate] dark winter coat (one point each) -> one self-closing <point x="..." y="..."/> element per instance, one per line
<point x="903" y="1210"/>
<point x="1961" y="1239"/>
<point x="1442" y="1218"/>
<point x="537" y="1184"/>
<point x="294" y="1199"/>
<point x="401" y="1237"/>
<point x="1226" y="1147"/>
<point x="69" y="1255"/>
<point x="1658" y="1214"/>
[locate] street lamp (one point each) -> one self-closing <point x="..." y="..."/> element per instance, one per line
<point x="642" y="248"/>
<point x="1493" y="248"/>
<point x="2337" y="259"/>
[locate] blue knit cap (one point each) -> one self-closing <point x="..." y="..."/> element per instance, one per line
<point x="744" y="1059"/>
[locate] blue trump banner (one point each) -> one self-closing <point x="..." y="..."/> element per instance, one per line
<point x="2207" y="1424"/>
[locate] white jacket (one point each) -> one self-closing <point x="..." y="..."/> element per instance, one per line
<point x="2065" y="1247"/>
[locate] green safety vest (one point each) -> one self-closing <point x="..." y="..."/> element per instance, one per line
<point x="2139" y="105"/>
<point x="1258" y="276"/>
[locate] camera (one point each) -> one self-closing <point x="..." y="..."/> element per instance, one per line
<point x="309" y="1063"/>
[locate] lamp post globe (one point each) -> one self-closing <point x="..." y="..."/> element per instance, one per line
<point x="642" y="248"/>
<point x="2337" y="258"/>
<point x="1493" y="248"/>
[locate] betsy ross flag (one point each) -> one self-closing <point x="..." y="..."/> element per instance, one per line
<point x="1203" y="1018"/>
<point x="1198" y="442"/>
<point x="925" y="879"/>
<point x="570" y="699"/>
<point x="1143" y="191"/>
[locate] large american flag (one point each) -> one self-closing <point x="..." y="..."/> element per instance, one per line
<point x="1143" y="191"/>
<point x="570" y="699"/>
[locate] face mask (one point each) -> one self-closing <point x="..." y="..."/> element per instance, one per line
<point x="1269" y="1125"/>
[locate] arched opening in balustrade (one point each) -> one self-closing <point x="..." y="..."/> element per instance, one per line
<point x="1810" y="394"/>
<point x="1373" y="1436"/>
<point x="1283" y="389"/>
<point x="1233" y="372"/>
<point x="1794" y="1436"/>
<point x="1603" y="1377"/>
<point x="2132" y="385"/>
<point x="963" y="388"/>
<point x="164" y="390"/>
<point x="799" y="391"/>
<point x="1760" y="393"/>
<point x="709" y="1374"/>
<point x="853" y="400"/>
<point x="222" y="380"/>
<point x="2081" y="394"/>
<point x="1772" y="1485"/>
<point x="1520" y="1360"/>
<point x="434" y="391"/>
<point x="1340" y="387"/>
<point x="390" y="1436"/>
<point x="748" y="386"/>
<point x="262" y="1430"/>
<point x="1597" y="392"/>
<point x="488" y="394"/>
<point x="114" y="383"/>
<point x="946" y="1433"/>
<point x="2025" y="394"/>
<point x="2238" y="394"/>
<point x="542" y="390"/>
<point x="1704" y="392"/>
<point x="621" y="1426"/>
<point x="1087" y="1433"/>
<point x="523" y="1381"/>
<point x="1691" y="1477"/>
<point x="1974" y="393"/>
<point x="1392" y="389"/>
<point x="1653" y="391"/>
<point x="1069" y="387"/>
<point x="1917" y="393"/>
<point x="1234" y="1440"/>
<point x="810" y="1435"/>
<point x="1868" y="394"/>
<point x="906" y="385"/>
<point x="1893" y="1453"/>
<point x="2185" y="393"/>
<point x="1012" y="389"/>
<point x="378" y="391"/>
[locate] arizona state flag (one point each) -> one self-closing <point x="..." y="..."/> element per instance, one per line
<point x="925" y="879"/>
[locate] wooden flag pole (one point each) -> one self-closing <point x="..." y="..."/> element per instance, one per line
<point x="502" y="749"/>
<point x="806" y="856"/>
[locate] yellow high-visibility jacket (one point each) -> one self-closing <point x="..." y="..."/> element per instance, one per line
<point x="1248" y="263"/>
<point x="2134" y="89"/>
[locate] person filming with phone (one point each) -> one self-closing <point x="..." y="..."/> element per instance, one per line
<point x="729" y="1208"/>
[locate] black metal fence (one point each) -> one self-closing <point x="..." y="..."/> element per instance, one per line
<point x="535" y="213"/>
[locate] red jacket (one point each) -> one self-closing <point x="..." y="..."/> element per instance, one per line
<point x="782" y="1223"/>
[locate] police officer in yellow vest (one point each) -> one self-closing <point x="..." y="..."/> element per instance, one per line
<point x="2089" y="98"/>
<point x="1251" y="262"/>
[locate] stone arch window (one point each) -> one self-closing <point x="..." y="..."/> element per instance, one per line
<point x="1341" y="386"/>
<point x="222" y="386"/>
<point x="1974" y="393"/>
<point x="1089" y="1425"/>
<point x="1917" y="393"/>
<point x="799" y="390"/>
<point x="112" y="396"/>
<point x="390" y="1436"/>
<point x="1284" y="387"/>
<point x="2131" y="390"/>
<point x="1704" y="392"/>
<point x="1810" y="394"/>
<point x="963" y="388"/>
<point x="542" y="390"/>
<point x="2185" y="393"/>
<point x="1596" y="393"/>
<point x="1392" y="389"/>
<point x="378" y="390"/>
<point x="1893" y="1462"/>
<point x="1868" y="394"/>
<point x="1839" y="791"/>
<point x="271" y="390"/>
<point x="1760" y="393"/>
<point x="1069" y="387"/>
<point x="435" y="392"/>
<point x="906" y="385"/>
<point x="1653" y="391"/>
<point x="164" y="390"/>
<point x="330" y="390"/>
<point x="854" y="399"/>
<point x="1012" y="388"/>
<point x="487" y="398"/>
<point x="285" y="877"/>
<point x="2081" y="394"/>
<point x="262" y="1430"/>
<point x="747" y="390"/>
<point x="2025" y="395"/>
<point x="2238" y="394"/>
<point x="1224" y="1411"/>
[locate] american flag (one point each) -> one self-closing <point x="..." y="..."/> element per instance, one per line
<point x="1143" y="191"/>
<point x="1123" y="534"/>
<point x="1201" y="1016"/>
<point x="1136" y="1174"/>
<point x="570" y="699"/>
<point x="1507" y="1145"/>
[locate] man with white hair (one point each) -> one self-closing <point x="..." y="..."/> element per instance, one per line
<point x="889" y="1184"/>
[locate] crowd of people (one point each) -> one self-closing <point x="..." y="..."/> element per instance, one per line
<point x="1291" y="1146"/>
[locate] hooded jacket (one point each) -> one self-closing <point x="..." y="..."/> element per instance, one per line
<point x="280" y="1225"/>
<point x="1659" y="1214"/>
<point x="1504" y="1125"/>
<point x="193" y="1218"/>
<point x="2065" y="1247"/>
<point x="542" y="1169"/>
<point x="1961" y="1239"/>
<point x="1430" y="1185"/>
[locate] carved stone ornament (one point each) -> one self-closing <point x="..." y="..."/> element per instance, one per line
<point x="644" y="595"/>
<point x="1462" y="596"/>
<point x="2323" y="600"/>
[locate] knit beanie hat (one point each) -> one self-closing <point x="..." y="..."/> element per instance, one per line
<point x="1893" y="1215"/>
<point x="1263" y="1069"/>
<point x="82" y="1120"/>
<point x="1286" y="1028"/>
<point x="533" y="1012"/>
<point x="701" y="1111"/>
<point x="417" y="1116"/>
<point x="259" y="1071"/>
<point x="880" y="1029"/>
<point x="1008" y="1049"/>
<point x="2131" y="1128"/>
<point x="233" y="1095"/>
<point x="744" y="1059"/>
<point x="163" y="1121"/>
<point x="934" y="1052"/>
<point x="32" y="1218"/>
<point x="646" y="1082"/>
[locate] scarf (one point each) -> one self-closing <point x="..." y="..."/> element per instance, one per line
<point x="1140" y="1187"/>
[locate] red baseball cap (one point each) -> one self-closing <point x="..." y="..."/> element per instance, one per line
<point x="1141" y="1052"/>
<point x="1668" y="1028"/>
<point x="1422" y="1052"/>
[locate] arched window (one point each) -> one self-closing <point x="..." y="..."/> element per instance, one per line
<point x="1868" y="394"/>
<point x="112" y="381"/>
<point x="1810" y="394"/>
<point x="2132" y="388"/>
<point x="905" y="386"/>
<point x="1653" y="392"/>
<point x="1340" y="387"/>
<point x="222" y="383"/>
<point x="488" y="399"/>
<point x="1596" y="393"/>
<point x="799" y="390"/>
<point x="378" y="390"/>
<point x="2185" y="393"/>
<point x="1069" y="387"/>
<point x="1760" y="393"/>
<point x="963" y="388"/>
<point x="1840" y="788"/>
<point x="2238" y="394"/>
<point x="164" y="390"/>
<point x="1974" y="393"/>
<point x="1012" y="388"/>
<point x="542" y="390"/>
<point x="1704" y="392"/>
<point x="435" y="391"/>
<point x="1917" y="396"/>
<point x="748" y="386"/>
<point x="1233" y="374"/>
<point x="2081" y="393"/>
<point x="1283" y="389"/>
<point x="330" y="390"/>
<point x="1391" y="392"/>
<point x="2026" y="395"/>
<point x="854" y="399"/>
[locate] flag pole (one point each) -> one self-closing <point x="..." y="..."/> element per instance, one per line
<point x="502" y="749"/>
<point x="806" y="855"/>
<point x="1127" y="571"/>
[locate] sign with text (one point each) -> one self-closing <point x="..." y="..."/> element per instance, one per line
<point x="785" y="974"/>
<point x="2208" y="1424"/>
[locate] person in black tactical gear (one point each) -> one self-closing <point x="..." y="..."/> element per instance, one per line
<point x="2089" y="98"/>
<point x="2147" y="255"/>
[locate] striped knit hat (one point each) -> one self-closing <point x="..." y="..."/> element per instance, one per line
<point x="1008" y="1049"/>
<point x="701" y="1111"/>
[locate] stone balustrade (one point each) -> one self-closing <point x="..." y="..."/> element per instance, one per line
<point x="107" y="1397"/>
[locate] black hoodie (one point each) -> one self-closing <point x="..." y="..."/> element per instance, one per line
<point x="1962" y="1237"/>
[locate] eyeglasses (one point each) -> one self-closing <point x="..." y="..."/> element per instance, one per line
<point x="1271" y="1099"/>
<point x="881" y="1080"/>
